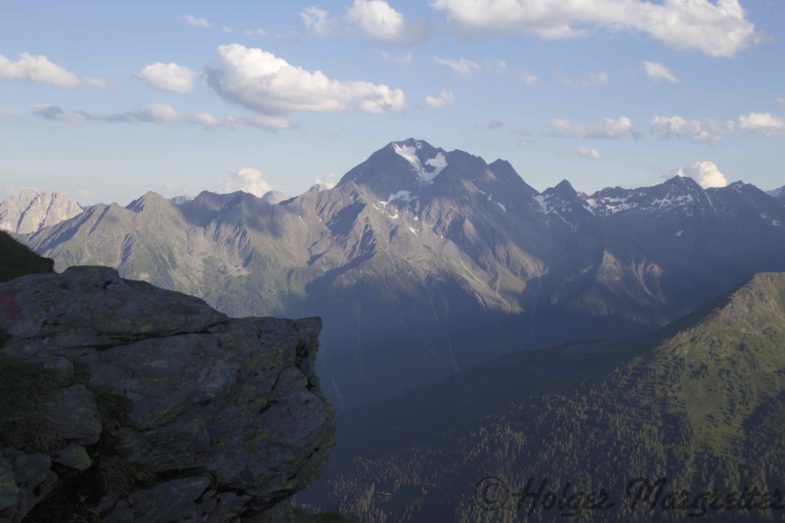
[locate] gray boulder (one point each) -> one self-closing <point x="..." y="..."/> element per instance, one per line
<point x="161" y="408"/>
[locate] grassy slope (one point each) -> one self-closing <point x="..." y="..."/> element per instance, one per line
<point x="701" y="403"/>
<point x="17" y="260"/>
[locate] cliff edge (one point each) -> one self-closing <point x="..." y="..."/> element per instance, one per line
<point x="122" y="402"/>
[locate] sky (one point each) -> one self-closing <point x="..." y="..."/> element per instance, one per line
<point x="106" y="100"/>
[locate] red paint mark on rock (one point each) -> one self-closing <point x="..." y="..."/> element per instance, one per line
<point x="8" y="306"/>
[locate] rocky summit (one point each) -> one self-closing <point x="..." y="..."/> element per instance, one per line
<point x="29" y="211"/>
<point x="122" y="402"/>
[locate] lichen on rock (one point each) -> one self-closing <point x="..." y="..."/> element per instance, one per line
<point x="159" y="407"/>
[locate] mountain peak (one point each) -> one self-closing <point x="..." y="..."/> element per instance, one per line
<point x="565" y="187"/>
<point x="406" y="165"/>
<point x="30" y="210"/>
<point x="148" y="200"/>
<point x="682" y="181"/>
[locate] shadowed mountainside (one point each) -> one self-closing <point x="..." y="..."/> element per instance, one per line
<point x="700" y="403"/>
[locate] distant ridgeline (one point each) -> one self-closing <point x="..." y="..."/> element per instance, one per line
<point x="689" y="422"/>
<point x="423" y="262"/>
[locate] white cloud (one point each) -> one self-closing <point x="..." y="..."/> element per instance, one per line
<point x="762" y="123"/>
<point x="319" y="22"/>
<point x="98" y="83"/>
<point x="162" y="114"/>
<point x="195" y="21"/>
<point x="37" y="68"/>
<point x="597" y="79"/>
<point x="403" y="59"/>
<point x="528" y="78"/>
<point x="328" y="182"/>
<point x="590" y="153"/>
<point x="247" y="180"/>
<point x="168" y="77"/>
<point x="462" y="66"/>
<point x="444" y="99"/>
<point x="378" y="21"/>
<point x="781" y="102"/>
<point x="261" y="81"/>
<point x="706" y="173"/>
<point x="706" y="131"/>
<point x="718" y="28"/>
<point x="657" y="70"/>
<point x="255" y="32"/>
<point x="608" y="128"/>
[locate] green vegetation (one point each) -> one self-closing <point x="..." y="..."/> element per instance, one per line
<point x="23" y="389"/>
<point x="17" y="260"/>
<point x="702" y="404"/>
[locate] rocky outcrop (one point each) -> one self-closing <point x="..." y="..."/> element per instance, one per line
<point x="29" y="211"/>
<point x="149" y="405"/>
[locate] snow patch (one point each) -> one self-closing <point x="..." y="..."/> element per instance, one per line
<point x="502" y="206"/>
<point x="438" y="162"/>
<point x="408" y="153"/>
<point x="432" y="168"/>
<point x="405" y="196"/>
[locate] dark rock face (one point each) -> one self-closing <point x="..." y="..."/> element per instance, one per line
<point x="181" y="413"/>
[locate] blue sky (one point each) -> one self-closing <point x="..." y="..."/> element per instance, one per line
<point x="89" y="103"/>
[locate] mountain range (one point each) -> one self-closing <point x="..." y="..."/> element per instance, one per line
<point x="700" y="403"/>
<point x="29" y="211"/>
<point x="423" y="261"/>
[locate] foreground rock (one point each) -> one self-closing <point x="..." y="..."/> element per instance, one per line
<point x="153" y="406"/>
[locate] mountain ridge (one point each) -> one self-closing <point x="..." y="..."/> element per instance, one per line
<point x="409" y="270"/>
<point x="693" y="403"/>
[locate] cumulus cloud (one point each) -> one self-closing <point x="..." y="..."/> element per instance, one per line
<point x="762" y="123"/>
<point x="375" y="19"/>
<point x="462" y="66"/>
<point x="168" y="77"/>
<point x="718" y="28"/>
<point x="706" y="173"/>
<point x="444" y="99"/>
<point x="260" y="81"/>
<point x="37" y="68"/>
<point x="607" y="128"/>
<point x="162" y="114"/>
<point x="659" y="71"/>
<point x="706" y="131"/>
<point x="597" y="79"/>
<point x="247" y="180"/>
<point x="528" y="78"/>
<point x="319" y="22"/>
<point x="196" y="21"/>
<point x="590" y="153"/>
